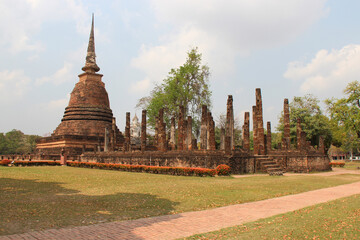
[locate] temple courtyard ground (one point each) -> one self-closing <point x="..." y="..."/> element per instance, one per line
<point x="34" y="199"/>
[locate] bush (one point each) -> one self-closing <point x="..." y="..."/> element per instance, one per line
<point x="336" y="164"/>
<point x="5" y="162"/>
<point x="36" y="163"/>
<point x="179" y="171"/>
<point x="223" y="170"/>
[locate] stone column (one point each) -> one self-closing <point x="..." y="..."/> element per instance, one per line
<point x="143" y="131"/>
<point x="286" y="137"/>
<point x="208" y="118"/>
<point x="156" y="131"/>
<point x="203" y="128"/>
<point x="227" y="145"/>
<point x="222" y="139"/>
<point x="180" y="143"/>
<point x="63" y="157"/>
<point x="162" y="131"/>
<point x="127" y="132"/>
<point x="246" y="132"/>
<point x="229" y="126"/>
<point x="300" y="136"/>
<point x="172" y="134"/>
<point x="268" y="137"/>
<point x="189" y="133"/>
<point x="212" y="144"/>
<point x="185" y="144"/>
<point x="113" y="134"/>
<point x="255" y="131"/>
<point x="260" y="123"/>
<point x="106" y="140"/>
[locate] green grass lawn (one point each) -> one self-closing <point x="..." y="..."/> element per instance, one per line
<point x="352" y="165"/>
<point x="339" y="219"/>
<point x="35" y="198"/>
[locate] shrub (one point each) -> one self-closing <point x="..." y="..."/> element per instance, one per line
<point x="183" y="171"/>
<point x="335" y="164"/>
<point x="223" y="170"/>
<point x="36" y="163"/>
<point x="5" y="162"/>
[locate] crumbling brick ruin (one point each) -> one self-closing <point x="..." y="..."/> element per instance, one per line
<point x="88" y="132"/>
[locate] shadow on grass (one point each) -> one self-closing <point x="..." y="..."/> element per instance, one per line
<point x="30" y="205"/>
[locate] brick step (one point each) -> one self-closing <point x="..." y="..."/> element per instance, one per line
<point x="272" y="166"/>
<point x="274" y="169"/>
<point x="264" y="159"/>
<point x="268" y="163"/>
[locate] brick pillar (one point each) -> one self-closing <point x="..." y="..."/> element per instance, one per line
<point x="162" y="146"/>
<point x="298" y="134"/>
<point x="246" y="132"/>
<point x="212" y="144"/>
<point x="185" y="144"/>
<point x="222" y="139"/>
<point x="172" y="134"/>
<point x="208" y="118"/>
<point x="143" y="130"/>
<point x="194" y="144"/>
<point x="113" y="134"/>
<point x="255" y="130"/>
<point x="260" y="123"/>
<point x="268" y="137"/>
<point x="229" y="126"/>
<point x="180" y="144"/>
<point x="156" y="131"/>
<point x="286" y="137"/>
<point x="106" y="140"/>
<point x="189" y="133"/>
<point x="63" y="157"/>
<point x="203" y="128"/>
<point x="227" y="145"/>
<point x="127" y="132"/>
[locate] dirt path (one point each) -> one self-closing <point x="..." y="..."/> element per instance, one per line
<point x="189" y="223"/>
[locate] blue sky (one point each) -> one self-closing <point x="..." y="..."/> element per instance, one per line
<point x="286" y="48"/>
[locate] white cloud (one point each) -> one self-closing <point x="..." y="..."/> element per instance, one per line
<point x="13" y="85"/>
<point x="20" y="20"/>
<point x="60" y="76"/>
<point x="223" y="30"/>
<point x="55" y="105"/>
<point x="328" y="72"/>
<point x="140" y="86"/>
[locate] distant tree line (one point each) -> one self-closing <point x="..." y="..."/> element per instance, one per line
<point x="16" y="142"/>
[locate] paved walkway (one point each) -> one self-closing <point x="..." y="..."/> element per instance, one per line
<point x="189" y="223"/>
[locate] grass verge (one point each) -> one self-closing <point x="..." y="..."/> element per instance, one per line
<point x="339" y="219"/>
<point x="35" y="198"/>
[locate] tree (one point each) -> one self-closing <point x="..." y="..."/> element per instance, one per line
<point x="187" y="85"/>
<point x="16" y="142"/>
<point x="313" y="121"/>
<point x="345" y="118"/>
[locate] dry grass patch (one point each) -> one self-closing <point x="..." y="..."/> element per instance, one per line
<point x="35" y="198"/>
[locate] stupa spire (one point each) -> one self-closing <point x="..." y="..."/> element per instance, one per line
<point x="90" y="64"/>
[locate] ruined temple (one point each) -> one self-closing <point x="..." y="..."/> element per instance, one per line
<point x="88" y="132"/>
<point x="88" y="123"/>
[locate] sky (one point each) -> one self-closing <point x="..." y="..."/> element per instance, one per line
<point x="286" y="48"/>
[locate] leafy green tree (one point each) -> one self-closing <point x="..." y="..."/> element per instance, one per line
<point x="345" y="118"/>
<point x="313" y="121"/>
<point x="16" y="142"/>
<point x="187" y="85"/>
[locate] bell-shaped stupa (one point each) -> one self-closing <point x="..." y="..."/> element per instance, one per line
<point x="87" y="115"/>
